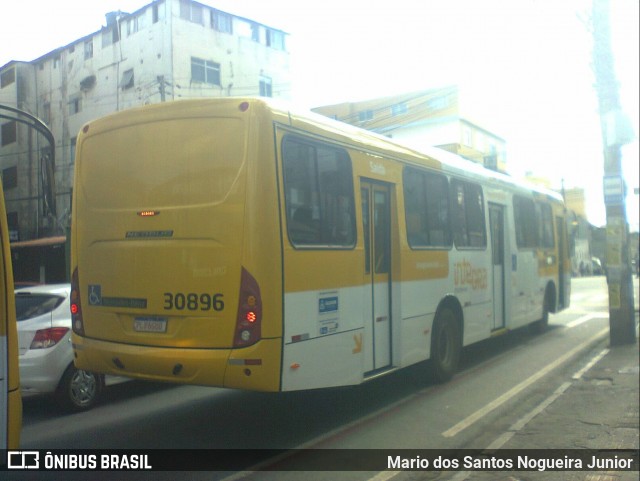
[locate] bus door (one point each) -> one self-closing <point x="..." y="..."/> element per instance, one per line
<point x="10" y="399"/>
<point x="496" y="219"/>
<point x="376" y="219"/>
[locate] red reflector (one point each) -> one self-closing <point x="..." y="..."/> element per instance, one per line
<point x="251" y="316"/>
<point x="74" y="308"/>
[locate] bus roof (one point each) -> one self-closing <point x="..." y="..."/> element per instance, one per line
<point x="287" y="113"/>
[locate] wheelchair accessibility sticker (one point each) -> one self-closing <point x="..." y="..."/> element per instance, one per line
<point x="95" y="295"/>
<point x="96" y="299"/>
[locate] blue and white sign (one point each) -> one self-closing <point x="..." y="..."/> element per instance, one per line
<point x="328" y="304"/>
<point x="613" y="188"/>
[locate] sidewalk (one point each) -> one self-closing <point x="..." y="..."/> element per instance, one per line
<point x="599" y="410"/>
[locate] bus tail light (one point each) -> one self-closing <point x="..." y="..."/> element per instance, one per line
<point x="76" y="307"/>
<point x="249" y="318"/>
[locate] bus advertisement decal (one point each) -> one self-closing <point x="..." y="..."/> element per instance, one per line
<point x="328" y="305"/>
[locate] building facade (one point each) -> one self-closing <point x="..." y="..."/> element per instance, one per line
<point x="427" y="118"/>
<point x="166" y="50"/>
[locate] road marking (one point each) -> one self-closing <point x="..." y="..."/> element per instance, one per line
<point x="590" y="364"/>
<point x="480" y="413"/>
<point x="578" y="297"/>
<point x="587" y="317"/>
<point x="524" y="420"/>
<point x="505" y="437"/>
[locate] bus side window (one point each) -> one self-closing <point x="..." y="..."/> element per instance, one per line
<point x="318" y="184"/>
<point x="427" y="209"/>
<point x="524" y="213"/>
<point x="468" y="215"/>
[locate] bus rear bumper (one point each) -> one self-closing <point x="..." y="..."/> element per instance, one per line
<point x="248" y="368"/>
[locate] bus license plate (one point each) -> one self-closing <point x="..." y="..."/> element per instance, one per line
<point x="150" y="324"/>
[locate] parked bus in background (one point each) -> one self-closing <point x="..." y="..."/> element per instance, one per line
<point x="236" y="243"/>
<point x="10" y="400"/>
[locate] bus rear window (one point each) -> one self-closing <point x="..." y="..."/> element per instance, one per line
<point x="179" y="162"/>
<point x="318" y="184"/>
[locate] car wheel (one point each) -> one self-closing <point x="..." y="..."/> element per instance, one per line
<point x="79" y="390"/>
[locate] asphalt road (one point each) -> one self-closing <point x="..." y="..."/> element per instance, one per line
<point x="501" y="380"/>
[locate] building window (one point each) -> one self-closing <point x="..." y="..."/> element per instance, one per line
<point x="275" y="39"/>
<point x="467" y="137"/>
<point x="88" y="83"/>
<point x="399" y="109"/>
<point x="135" y="24"/>
<point x="9" y="132"/>
<point x="75" y="105"/>
<point x="46" y="113"/>
<point x="191" y="11"/>
<point x="110" y="36"/>
<point x="365" y="115"/>
<point x="10" y="178"/>
<point x="127" y="79"/>
<point x="265" y="86"/>
<point x="7" y="77"/>
<point x="158" y="11"/>
<point x="438" y="103"/>
<point x="72" y="150"/>
<point x="12" y="221"/>
<point x="221" y="21"/>
<point x="88" y="49"/>
<point x="255" y="32"/>
<point x="205" y="71"/>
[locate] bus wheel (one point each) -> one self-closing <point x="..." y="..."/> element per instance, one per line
<point x="539" y="326"/>
<point x="446" y="345"/>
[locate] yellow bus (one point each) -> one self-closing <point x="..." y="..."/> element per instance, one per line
<point x="10" y="400"/>
<point x="238" y="243"/>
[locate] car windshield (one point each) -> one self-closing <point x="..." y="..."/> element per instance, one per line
<point x="30" y="305"/>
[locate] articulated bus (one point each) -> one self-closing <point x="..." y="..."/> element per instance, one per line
<point x="236" y="243"/>
<point x="10" y="399"/>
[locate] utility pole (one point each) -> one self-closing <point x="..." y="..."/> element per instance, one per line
<point x="621" y="309"/>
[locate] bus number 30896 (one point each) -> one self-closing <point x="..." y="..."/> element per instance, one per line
<point x="193" y="301"/>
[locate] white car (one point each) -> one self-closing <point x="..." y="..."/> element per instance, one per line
<point x="46" y="356"/>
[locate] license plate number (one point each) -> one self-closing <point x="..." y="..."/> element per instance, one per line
<point x="150" y="324"/>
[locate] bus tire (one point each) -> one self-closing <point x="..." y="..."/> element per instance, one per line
<point x="446" y="345"/>
<point x="539" y="326"/>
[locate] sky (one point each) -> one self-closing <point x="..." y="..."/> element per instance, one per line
<point x="523" y="66"/>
